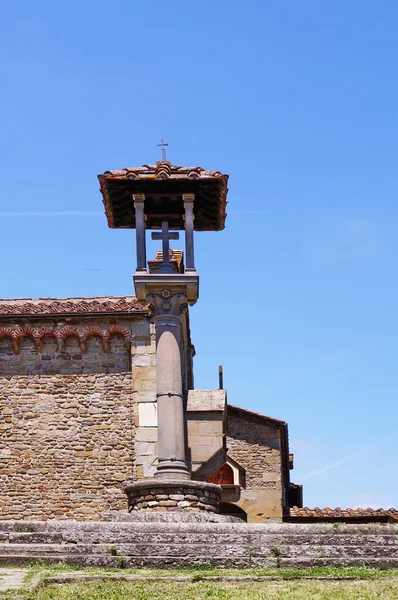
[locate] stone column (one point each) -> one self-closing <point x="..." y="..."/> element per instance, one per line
<point x="139" y="200"/>
<point x="189" y="218"/>
<point x="167" y="307"/>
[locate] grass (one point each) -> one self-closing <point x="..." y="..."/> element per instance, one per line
<point x="368" y="584"/>
<point x="273" y="590"/>
<point x="205" y="571"/>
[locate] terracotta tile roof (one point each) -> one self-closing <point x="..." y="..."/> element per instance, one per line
<point x="176" y="258"/>
<point x="342" y="513"/>
<point x="163" y="185"/>
<point x="63" y="306"/>
<point x="163" y="170"/>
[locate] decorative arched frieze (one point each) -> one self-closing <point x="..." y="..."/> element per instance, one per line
<point x="60" y="335"/>
<point x="116" y="329"/>
<point x="93" y="330"/>
<point x="49" y="332"/>
<point x="10" y="333"/>
<point x="22" y="332"/>
<point x="67" y="331"/>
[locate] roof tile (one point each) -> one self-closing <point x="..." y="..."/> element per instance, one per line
<point x="338" y="512"/>
<point x="59" y="306"/>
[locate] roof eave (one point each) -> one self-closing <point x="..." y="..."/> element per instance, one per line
<point x="126" y="313"/>
<point x="257" y="415"/>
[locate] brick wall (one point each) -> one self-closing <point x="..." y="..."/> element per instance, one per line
<point x="255" y="445"/>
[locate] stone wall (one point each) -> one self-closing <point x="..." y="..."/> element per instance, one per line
<point x="255" y="445"/>
<point x="145" y="406"/>
<point x="69" y="346"/>
<point x="65" y="446"/>
<point x="205" y="418"/>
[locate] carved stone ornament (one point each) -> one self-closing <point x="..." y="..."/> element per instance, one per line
<point x="167" y="303"/>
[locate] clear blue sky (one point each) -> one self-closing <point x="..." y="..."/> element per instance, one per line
<point x="297" y="101"/>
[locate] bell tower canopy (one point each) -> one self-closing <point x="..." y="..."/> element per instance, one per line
<point x="163" y="185"/>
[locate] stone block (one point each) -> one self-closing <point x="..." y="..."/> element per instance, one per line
<point x="206" y="400"/>
<point x="141" y="360"/>
<point x="144" y="449"/>
<point x="269" y="476"/>
<point x="147" y="414"/>
<point x="146" y="396"/>
<point x="149" y="470"/>
<point x="210" y="427"/>
<point x="146" y="434"/>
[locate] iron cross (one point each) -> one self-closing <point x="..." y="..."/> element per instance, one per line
<point x="165" y="236"/>
<point x="163" y="146"/>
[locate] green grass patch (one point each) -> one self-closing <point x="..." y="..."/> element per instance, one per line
<point x="202" y="590"/>
<point x="205" y="571"/>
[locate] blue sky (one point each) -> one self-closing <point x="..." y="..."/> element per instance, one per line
<point x="297" y="102"/>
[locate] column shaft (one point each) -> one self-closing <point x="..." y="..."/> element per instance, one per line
<point x="167" y="307"/>
<point x="139" y="200"/>
<point x="171" y="429"/>
<point x="189" y="218"/>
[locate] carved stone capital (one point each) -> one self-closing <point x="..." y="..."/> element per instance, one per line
<point x="167" y="302"/>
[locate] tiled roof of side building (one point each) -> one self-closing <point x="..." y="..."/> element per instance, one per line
<point x="250" y="413"/>
<point x="342" y="513"/>
<point x="65" y="306"/>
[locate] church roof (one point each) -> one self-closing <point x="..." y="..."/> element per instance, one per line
<point x="66" y="306"/>
<point x="250" y="413"/>
<point x="163" y="185"/>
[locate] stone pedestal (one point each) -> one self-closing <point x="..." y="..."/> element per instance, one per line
<point x="173" y="496"/>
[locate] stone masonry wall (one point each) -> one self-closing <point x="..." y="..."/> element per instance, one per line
<point x="143" y="360"/>
<point x="66" y="445"/>
<point x="255" y="445"/>
<point x="68" y="346"/>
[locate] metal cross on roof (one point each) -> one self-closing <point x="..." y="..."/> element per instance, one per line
<point x="165" y="236"/>
<point x="163" y="145"/>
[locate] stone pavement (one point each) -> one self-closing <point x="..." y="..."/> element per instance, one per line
<point x="12" y="578"/>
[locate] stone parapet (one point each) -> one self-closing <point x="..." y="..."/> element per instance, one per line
<point x="169" y="496"/>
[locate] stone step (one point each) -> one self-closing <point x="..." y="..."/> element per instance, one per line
<point x="153" y="526"/>
<point x="153" y="544"/>
<point x="98" y="560"/>
<point x="217" y="528"/>
<point x="178" y="561"/>
<point x="213" y="528"/>
<point x="40" y="537"/>
<point x="224" y="538"/>
<point x="209" y="550"/>
<point x="347" y="561"/>
<point x="112" y="537"/>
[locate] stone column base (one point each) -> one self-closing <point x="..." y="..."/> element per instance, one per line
<point x="173" y="496"/>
